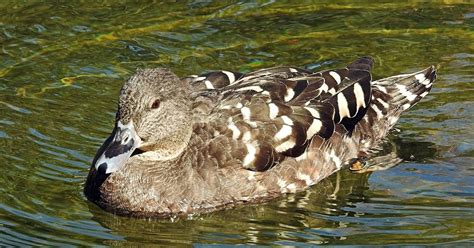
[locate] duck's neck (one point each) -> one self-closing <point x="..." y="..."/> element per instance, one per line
<point x="170" y="148"/>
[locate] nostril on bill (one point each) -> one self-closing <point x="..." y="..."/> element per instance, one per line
<point x="102" y="169"/>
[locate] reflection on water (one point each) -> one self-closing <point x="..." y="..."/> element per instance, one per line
<point x="61" y="68"/>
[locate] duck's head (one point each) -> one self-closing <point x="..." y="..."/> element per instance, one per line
<point x="153" y="118"/>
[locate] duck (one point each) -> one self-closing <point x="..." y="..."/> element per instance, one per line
<point x="208" y="142"/>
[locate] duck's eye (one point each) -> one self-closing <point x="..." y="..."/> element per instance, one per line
<point x="155" y="104"/>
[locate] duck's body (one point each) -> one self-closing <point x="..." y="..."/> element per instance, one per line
<point x="224" y="138"/>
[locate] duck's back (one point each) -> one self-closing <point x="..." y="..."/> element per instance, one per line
<point x="275" y="113"/>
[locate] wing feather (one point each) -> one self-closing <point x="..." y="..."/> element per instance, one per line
<point x="274" y="113"/>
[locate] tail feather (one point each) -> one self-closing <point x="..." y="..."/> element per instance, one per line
<point x="408" y="89"/>
<point x="390" y="97"/>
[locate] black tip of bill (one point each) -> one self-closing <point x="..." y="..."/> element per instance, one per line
<point x="102" y="169"/>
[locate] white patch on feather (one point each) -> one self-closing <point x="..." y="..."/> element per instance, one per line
<point x="230" y="76"/>
<point x="284" y="132"/>
<point x="252" y="123"/>
<point x="245" y="113"/>
<point x="226" y="107"/>
<point x="239" y="105"/>
<point x="304" y="177"/>
<point x="246" y="116"/>
<point x="381" y="88"/>
<point x="273" y="108"/>
<point x="342" y="106"/>
<point x="392" y="120"/>
<point x="426" y="83"/>
<point x="377" y="111"/>
<point x="285" y="146"/>
<point x="208" y="84"/>
<point x="336" y="76"/>
<point x="293" y="70"/>
<point x="424" y="94"/>
<point x="290" y="93"/>
<point x="253" y="88"/>
<point x="247" y="136"/>
<point x="291" y="187"/>
<point x="332" y="91"/>
<point x="287" y="120"/>
<point x="420" y="77"/>
<point x="265" y="93"/>
<point x="324" y="87"/>
<point x="250" y="157"/>
<point x="199" y="78"/>
<point x="359" y="95"/>
<point x="235" y="130"/>
<point x="407" y="94"/>
<point x="313" y="112"/>
<point x="406" y="106"/>
<point x="384" y="104"/>
<point x="314" y="128"/>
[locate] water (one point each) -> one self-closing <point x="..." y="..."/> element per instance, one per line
<point x="62" y="65"/>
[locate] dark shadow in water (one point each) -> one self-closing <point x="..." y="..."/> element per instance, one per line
<point x="409" y="149"/>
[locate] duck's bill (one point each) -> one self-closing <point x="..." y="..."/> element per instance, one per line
<point x="115" y="151"/>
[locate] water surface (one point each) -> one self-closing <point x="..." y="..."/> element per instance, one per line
<point x="62" y="65"/>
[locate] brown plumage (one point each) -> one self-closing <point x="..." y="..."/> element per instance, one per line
<point x="207" y="142"/>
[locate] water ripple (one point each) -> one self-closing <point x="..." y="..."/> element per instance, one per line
<point x="60" y="77"/>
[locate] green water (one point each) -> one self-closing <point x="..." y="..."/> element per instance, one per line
<point x="62" y="65"/>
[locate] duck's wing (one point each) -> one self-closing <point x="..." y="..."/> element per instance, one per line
<point x="270" y="117"/>
<point x="303" y="85"/>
